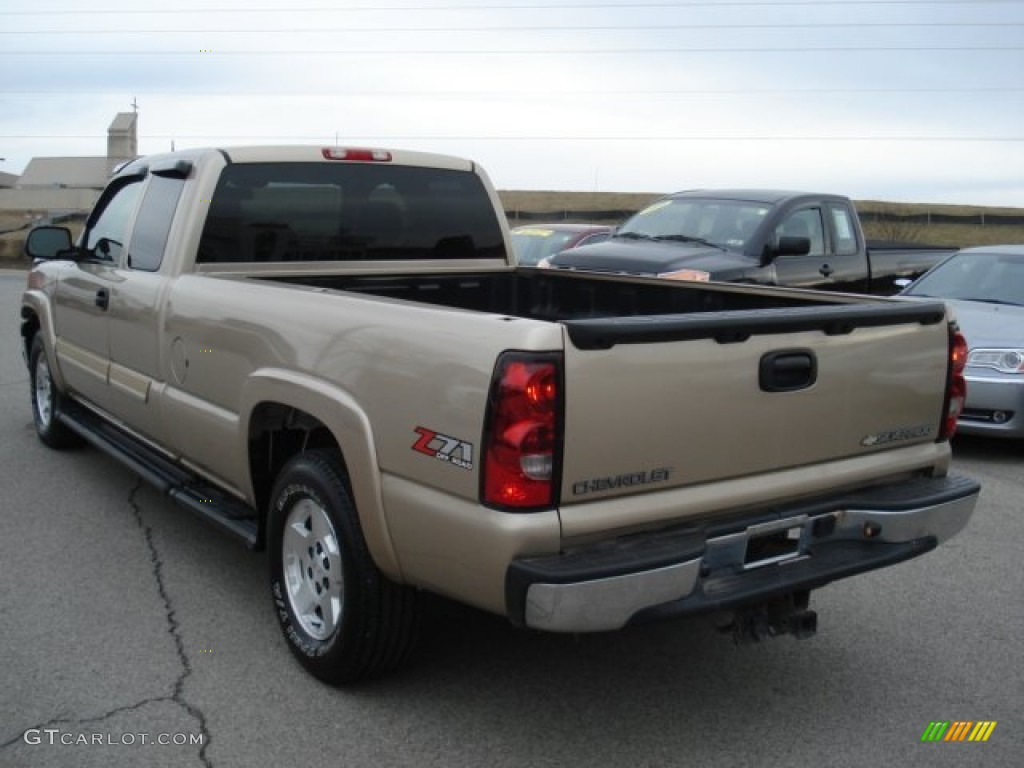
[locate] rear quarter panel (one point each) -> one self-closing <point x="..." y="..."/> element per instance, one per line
<point x="386" y="369"/>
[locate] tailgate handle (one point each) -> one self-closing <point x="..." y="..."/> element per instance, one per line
<point x="788" y="370"/>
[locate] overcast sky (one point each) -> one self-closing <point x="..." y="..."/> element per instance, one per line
<point x="906" y="101"/>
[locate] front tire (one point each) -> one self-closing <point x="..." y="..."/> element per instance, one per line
<point x="47" y="401"/>
<point x="342" y="618"/>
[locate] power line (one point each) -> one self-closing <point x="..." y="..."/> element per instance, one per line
<point x="524" y="52"/>
<point x="547" y="93"/>
<point x="380" y="138"/>
<point x="526" y="28"/>
<point x="499" y="7"/>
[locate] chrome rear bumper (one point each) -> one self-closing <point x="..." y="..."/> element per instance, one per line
<point x="692" y="570"/>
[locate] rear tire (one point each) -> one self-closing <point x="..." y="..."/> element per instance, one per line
<point x="47" y="401"/>
<point x="342" y="618"/>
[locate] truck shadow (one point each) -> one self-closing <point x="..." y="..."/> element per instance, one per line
<point x="989" y="449"/>
<point x="671" y="685"/>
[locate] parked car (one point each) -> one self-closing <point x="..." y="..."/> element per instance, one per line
<point x="985" y="285"/>
<point x="768" y="237"/>
<point x="540" y="241"/>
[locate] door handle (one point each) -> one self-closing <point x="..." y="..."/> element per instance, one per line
<point x="826" y="270"/>
<point x="102" y="299"/>
<point x="788" y="370"/>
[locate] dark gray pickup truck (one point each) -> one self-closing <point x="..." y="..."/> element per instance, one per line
<point x="768" y="237"/>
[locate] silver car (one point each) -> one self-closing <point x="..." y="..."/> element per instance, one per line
<point x="985" y="286"/>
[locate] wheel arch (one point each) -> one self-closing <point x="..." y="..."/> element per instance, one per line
<point x="285" y="413"/>
<point x="37" y="318"/>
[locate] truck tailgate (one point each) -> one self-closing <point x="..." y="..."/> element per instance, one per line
<point x="663" y="402"/>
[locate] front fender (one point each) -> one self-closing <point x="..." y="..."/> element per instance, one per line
<point x="37" y="311"/>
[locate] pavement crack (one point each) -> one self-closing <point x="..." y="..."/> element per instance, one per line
<point x="173" y="628"/>
<point x="177" y="695"/>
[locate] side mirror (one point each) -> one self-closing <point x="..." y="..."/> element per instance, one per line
<point x="793" y="246"/>
<point x="48" y="243"/>
<point x="786" y="246"/>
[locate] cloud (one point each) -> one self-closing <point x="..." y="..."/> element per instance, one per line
<point x="536" y="108"/>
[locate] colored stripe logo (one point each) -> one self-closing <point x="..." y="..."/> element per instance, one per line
<point x="959" y="730"/>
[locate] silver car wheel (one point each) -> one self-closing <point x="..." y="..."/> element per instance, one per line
<point x="44" y="393"/>
<point x="313" y="569"/>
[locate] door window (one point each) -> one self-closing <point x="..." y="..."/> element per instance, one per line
<point x="804" y="223"/>
<point x="108" y="226"/>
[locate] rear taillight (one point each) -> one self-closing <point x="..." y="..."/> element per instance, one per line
<point x="956" y="386"/>
<point x="522" y="433"/>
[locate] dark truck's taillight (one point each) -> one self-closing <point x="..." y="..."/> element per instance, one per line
<point x="956" y="386"/>
<point x="522" y="432"/>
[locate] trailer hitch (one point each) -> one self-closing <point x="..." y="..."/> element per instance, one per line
<point x="787" y="615"/>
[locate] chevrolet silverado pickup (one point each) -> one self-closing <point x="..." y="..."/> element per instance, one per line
<point x="766" y="237"/>
<point x="331" y="354"/>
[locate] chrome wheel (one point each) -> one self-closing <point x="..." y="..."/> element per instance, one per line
<point x="43" y="393"/>
<point x="341" y="617"/>
<point x="313" y="577"/>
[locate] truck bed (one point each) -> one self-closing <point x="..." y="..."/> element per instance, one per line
<point x="561" y="296"/>
<point x="603" y="310"/>
<point x="740" y="382"/>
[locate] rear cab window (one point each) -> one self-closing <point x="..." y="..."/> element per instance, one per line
<point x="314" y="212"/>
<point x="153" y="223"/>
<point x="844" y="230"/>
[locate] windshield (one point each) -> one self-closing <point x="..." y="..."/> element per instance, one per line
<point x="725" y="223"/>
<point x="536" y="243"/>
<point x="997" y="278"/>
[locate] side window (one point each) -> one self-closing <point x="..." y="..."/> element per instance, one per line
<point x="804" y="223"/>
<point x="845" y="231"/>
<point x="149" y="236"/>
<point x="108" y="226"/>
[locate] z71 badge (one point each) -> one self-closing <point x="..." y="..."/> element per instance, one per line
<point x="450" y="450"/>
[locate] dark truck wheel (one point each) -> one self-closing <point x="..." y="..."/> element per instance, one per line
<point x="342" y="618"/>
<point x="47" y="401"/>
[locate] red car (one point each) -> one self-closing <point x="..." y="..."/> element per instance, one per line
<point x="534" y="242"/>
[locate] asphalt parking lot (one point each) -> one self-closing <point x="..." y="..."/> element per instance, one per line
<point x="126" y="623"/>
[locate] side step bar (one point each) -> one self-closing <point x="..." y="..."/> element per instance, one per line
<point x="182" y="486"/>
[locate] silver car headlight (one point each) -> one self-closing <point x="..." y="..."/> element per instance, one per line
<point x="1003" y="360"/>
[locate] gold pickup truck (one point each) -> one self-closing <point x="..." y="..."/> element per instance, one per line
<point x="330" y="353"/>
